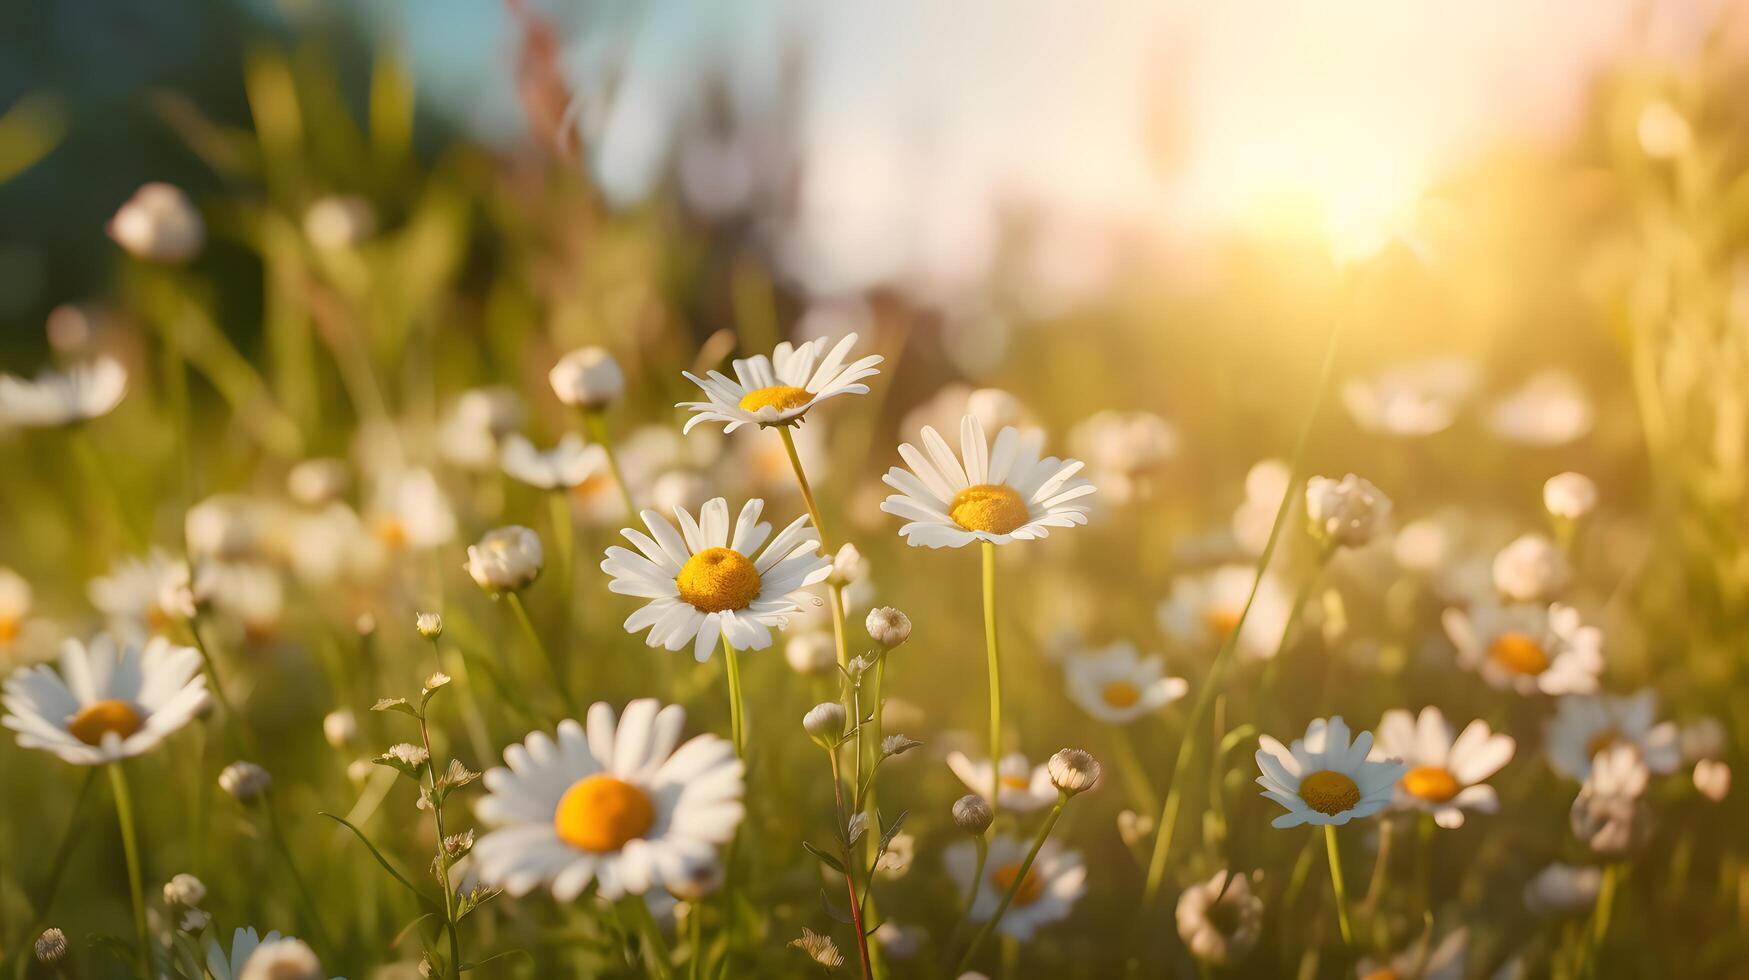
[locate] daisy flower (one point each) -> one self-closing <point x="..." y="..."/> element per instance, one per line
<point x="1025" y="788"/>
<point x="268" y="957"/>
<point x="1527" y="648"/>
<point x="707" y="580"/>
<point x="570" y="463"/>
<point x="1056" y="880"/>
<point x="780" y="389"/>
<point x="1415" y="399"/>
<point x="617" y="805"/>
<point x="109" y="702"/>
<point x="410" y="510"/>
<point x="1115" y="685"/>
<point x="1325" y="779"/>
<point x="996" y="494"/>
<point x="1550" y="409"/>
<point x="78" y="394"/>
<point x="1586" y="725"/>
<point x="1446" y="769"/>
<point x="15" y="603"/>
<point x="1204" y="608"/>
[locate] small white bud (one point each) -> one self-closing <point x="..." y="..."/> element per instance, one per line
<point x="972" y="814"/>
<point x="429" y="625"/>
<point x="1713" y="778"/>
<point x="587" y="378"/>
<point x="888" y="626"/>
<point x="244" y="780"/>
<point x="825" y="721"/>
<point x="1569" y="495"/>
<point x="1346" y="512"/>
<point x="1073" y="771"/>
<point x="506" y="559"/>
<point x="184" y="889"/>
<point x="340" y="727"/>
<point x="158" y="224"/>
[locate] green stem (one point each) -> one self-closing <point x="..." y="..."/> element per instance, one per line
<point x="694" y="938"/>
<point x="983" y="844"/>
<point x="737" y="733"/>
<point x="596" y="424"/>
<point x="993" y="658"/>
<point x="655" y="950"/>
<point x="1134" y="771"/>
<point x="1605" y="906"/>
<point x="454" y="968"/>
<point x="515" y="601"/>
<point x="311" y="909"/>
<point x="240" y="734"/>
<point x="124" y="815"/>
<point x="1038" y="842"/>
<point x="92" y="460"/>
<point x="1335" y="856"/>
<point x="564" y="541"/>
<point x="1187" y="749"/>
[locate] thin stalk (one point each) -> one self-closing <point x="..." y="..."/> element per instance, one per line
<point x="993" y="658"/>
<point x="843" y="817"/>
<point x="311" y="909"/>
<point x="454" y="967"/>
<point x="837" y="592"/>
<point x="694" y="938"/>
<point x="1135" y="773"/>
<point x="130" y="843"/>
<point x="983" y="844"/>
<point x="1605" y="906"/>
<point x="565" y="543"/>
<point x="737" y="720"/>
<point x="1038" y="842"/>
<point x="514" y="599"/>
<point x="655" y="950"/>
<point x="239" y="729"/>
<point x="1381" y="863"/>
<point x="92" y="460"/>
<point x="1335" y="856"/>
<point x="1193" y="731"/>
<point x="596" y="424"/>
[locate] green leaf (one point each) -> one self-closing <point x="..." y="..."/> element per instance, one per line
<point x="342" y="821"/>
<point x="495" y="956"/>
<point x="825" y="858"/>
<point x="396" y="704"/>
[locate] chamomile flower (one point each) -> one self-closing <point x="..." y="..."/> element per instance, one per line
<point x="570" y="463"/>
<point x="709" y="581"/>
<point x="616" y="804"/>
<point x="1204" y="608"/>
<point x="1056" y="880"/>
<point x="780" y="389"/>
<point x="1527" y="648"/>
<point x="1115" y="685"/>
<point x="253" y="955"/>
<point x="110" y="701"/>
<point x="1585" y="725"/>
<point x="1324" y="778"/>
<point x="1446" y="769"/>
<point x="1550" y="409"/>
<point x="78" y="394"/>
<point x="996" y="494"/>
<point x="15" y="603"/>
<point x="1025" y="787"/>
<point x="1416" y="399"/>
<point x="409" y="510"/>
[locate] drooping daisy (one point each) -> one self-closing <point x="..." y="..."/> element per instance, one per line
<point x="706" y="583"/>
<point x="617" y="805"/>
<point x="1527" y="648"/>
<point x="1446" y="770"/>
<point x="996" y="494"/>
<point x="1056" y="880"/>
<point x="80" y="393"/>
<point x="568" y="464"/>
<point x="1204" y="608"/>
<point x="269" y="957"/>
<point x="109" y="701"/>
<point x="1115" y="685"/>
<point x="1585" y="725"/>
<point x="1025" y="787"/>
<point x="780" y="389"/>
<point x="1324" y="778"/>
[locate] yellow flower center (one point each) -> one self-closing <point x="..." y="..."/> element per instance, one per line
<point x="1329" y="792"/>
<point x="781" y="397"/>
<point x="93" y="721"/>
<point x="992" y="507"/>
<point x="1221" y="622"/>
<point x="1604" y="739"/>
<point x="600" y="813"/>
<point x="1435" y="784"/>
<point x="1519" y="653"/>
<point x="1383" y="973"/>
<point x="718" y="579"/>
<point x="1030" y="888"/>
<point x="1016" y="782"/>
<point x="390" y="532"/>
<point x="8" y="629"/>
<point x="1120" y="694"/>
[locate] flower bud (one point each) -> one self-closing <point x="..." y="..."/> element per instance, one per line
<point x="888" y="626"/>
<point x="339" y="221"/>
<point x="848" y="566"/>
<point x="587" y="378"/>
<point x="429" y="625"/>
<point x="315" y="482"/>
<point x="184" y="889"/>
<point x="1569" y="495"/>
<point x="1713" y="779"/>
<point x="1347" y="512"/>
<point x="825" y="721"/>
<point x="506" y="559"/>
<point x="244" y="780"/>
<point x="972" y="814"/>
<point x="51" y="946"/>
<point x="340" y="727"/>
<point x="1530" y="569"/>
<point x="1073" y="771"/>
<point x="158" y="224"/>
